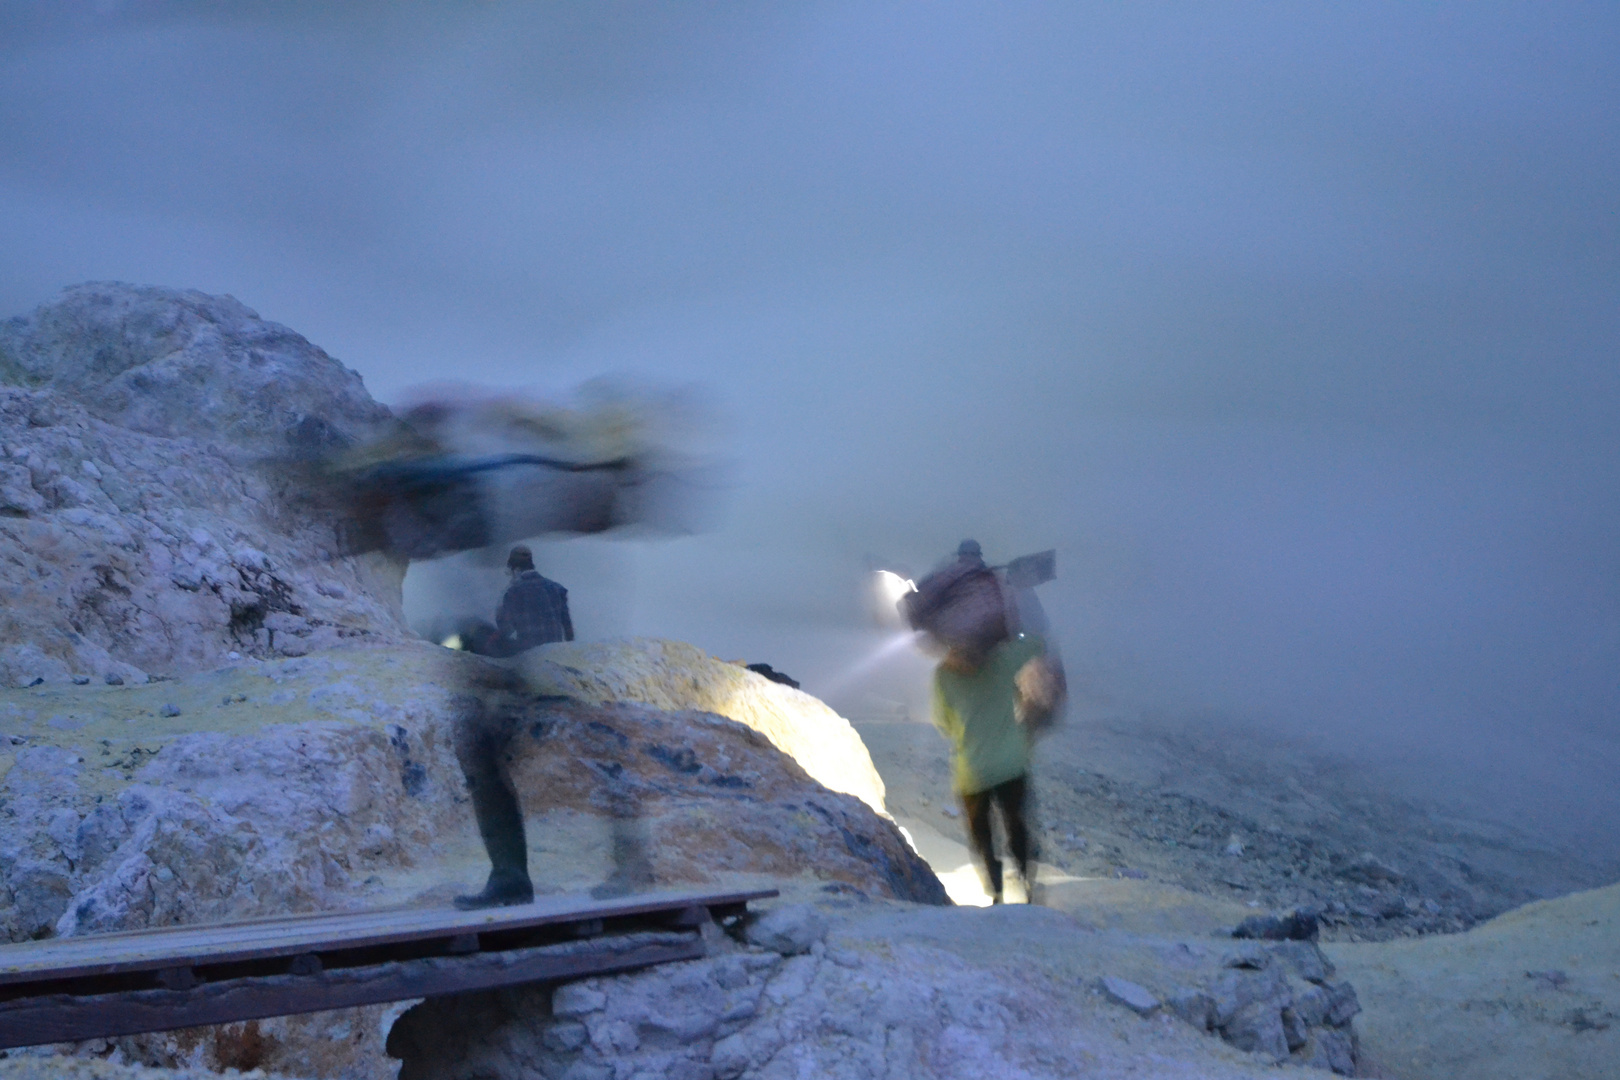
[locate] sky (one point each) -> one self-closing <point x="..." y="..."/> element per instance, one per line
<point x="1292" y="327"/>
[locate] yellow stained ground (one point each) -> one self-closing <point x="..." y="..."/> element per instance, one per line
<point x="1470" y="1006"/>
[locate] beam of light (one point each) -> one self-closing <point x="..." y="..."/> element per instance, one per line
<point x="887" y="650"/>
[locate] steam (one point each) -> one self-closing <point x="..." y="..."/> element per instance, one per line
<point x="1293" y="331"/>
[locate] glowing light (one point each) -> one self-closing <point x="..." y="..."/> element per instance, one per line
<point x="964" y="886"/>
<point x="452" y="642"/>
<point x="891" y="586"/>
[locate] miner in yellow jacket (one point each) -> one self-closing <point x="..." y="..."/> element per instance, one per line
<point x="974" y="699"/>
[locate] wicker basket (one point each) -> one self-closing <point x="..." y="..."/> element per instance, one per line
<point x="962" y="607"/>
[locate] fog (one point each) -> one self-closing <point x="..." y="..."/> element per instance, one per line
<point x="1292" y="328"/>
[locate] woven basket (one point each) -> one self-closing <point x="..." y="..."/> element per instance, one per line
<point x="962" y="607"/>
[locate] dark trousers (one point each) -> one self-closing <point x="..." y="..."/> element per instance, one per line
<point x="486" y="724"/>
<point x="1012" y="796"/>
<point x="483" y="736"/>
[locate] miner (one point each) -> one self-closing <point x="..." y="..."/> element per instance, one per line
<point x="534" y="609"/>
<point x="456" y="473"/>
<point x="964" y="607"/>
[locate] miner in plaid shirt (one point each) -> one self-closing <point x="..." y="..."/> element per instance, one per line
<point x="534" y="609"/>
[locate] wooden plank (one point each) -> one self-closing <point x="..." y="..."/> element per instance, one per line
<point x="293" y="935"/>
<point x="65" y="1018"/>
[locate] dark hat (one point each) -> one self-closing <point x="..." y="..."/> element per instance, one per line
<point x="521" y="558"/>
<point x="969" y="549"/>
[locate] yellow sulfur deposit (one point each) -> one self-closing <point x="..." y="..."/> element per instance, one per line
<point x="672" y="675"/>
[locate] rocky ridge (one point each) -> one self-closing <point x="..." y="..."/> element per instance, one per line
<point x="148" y="524"/>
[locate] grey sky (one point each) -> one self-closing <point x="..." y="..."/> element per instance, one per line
<point x="1293" y="327"/>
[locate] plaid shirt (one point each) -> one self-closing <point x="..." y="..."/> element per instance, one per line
<point x="534" y="611"/>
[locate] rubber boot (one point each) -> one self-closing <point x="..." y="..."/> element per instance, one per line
<point x="992" y="879"/>
<point x="500" y="823"/>
<point x="632" y="869"/>
<point x="1034" y="892"/>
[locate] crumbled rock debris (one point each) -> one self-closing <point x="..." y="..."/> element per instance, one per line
<point x="21" y="1065"/>
<point x="852" y="1007"/>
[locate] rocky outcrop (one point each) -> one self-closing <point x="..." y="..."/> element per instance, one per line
<point x="875" y="997"/>
<point x="146" y="527"/>
<point x="252" y="789"/>
<point x="329" y="781"/>
<point x="672" y="675"/>
<point x="225" y="809"/>
<point x="1279" y="1001"/>
<point x="717" y="796"/>
<point x="180" y="363"/>
<point x="127" y="556"/>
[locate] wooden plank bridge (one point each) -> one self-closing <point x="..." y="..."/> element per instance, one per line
<point x="101" y="985"/>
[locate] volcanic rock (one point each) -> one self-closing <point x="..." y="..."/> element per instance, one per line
<point x="328" y="782"/>
<point x="148" y="525"/>
<point x="788" y="930"/>
<point x="893" y="991"/>
<point x="1136" y="998"/>
<point x="207" y="713"/>
<point x="180" y="363"/>
<point x="1300" y="925"/>
<point x="672" y="675"/>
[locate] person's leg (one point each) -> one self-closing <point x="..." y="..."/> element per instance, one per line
<point x="482" y="735"/>
<point x="632" y="869"/>
<point x="976" y="809"/>
<point x="1013" y="798"/>
<point x="602" y="751"/>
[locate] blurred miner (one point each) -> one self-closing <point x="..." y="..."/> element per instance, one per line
<point x="979" y="704"/>
<point x="490" y="711"/>
<point x="461" y="471"/>
<point x="533" y="611"/>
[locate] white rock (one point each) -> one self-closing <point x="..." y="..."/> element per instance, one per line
<point x="133" y="571"/>
<point x="788" y="930"/>
<point x="1124" y="992"/>
<point x="577" y="999"/>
